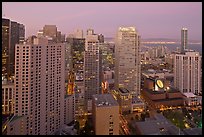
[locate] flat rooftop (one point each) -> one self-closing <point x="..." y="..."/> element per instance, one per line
<point x="189" y="95"/>
<point x="157" y="126"/>
<point x="192" y="131"/>
<point x="137" y="100"/>
<point x="124" y="90"/>
<point x="102" y="100"/>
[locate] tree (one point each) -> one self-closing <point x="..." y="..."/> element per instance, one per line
<point x="136" y="117"/>
<point x="143" y="117"/>
<point x="77" y="126"/>
<point x="147" y="114"/>
<point x="88" y="129"/>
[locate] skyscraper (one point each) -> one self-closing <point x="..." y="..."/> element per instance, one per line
<point x="92" y="68"/>
<point x="12" y="33"/>
<point x="78" y="33"/>
<point x="39" y="85"/>
<point x="187" y="72"/>
<point x="50" y="31"/>
<point x="21" y="33"/>
<point x="127" y="63"/>
<point x="5" y="46"/>
<point x="184" y="39"/>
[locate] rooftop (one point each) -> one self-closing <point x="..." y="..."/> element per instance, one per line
<point x="137" y="100"/>
<point x="158" y="126"/>
<point x="15" y="118"/>
<point x="189" y="95"/>
<point x="123" y="90"/>
<point x="192" y="131"/>
<point x="104" y="100"/>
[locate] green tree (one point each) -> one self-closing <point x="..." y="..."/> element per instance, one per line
<point x="77" y="126"/>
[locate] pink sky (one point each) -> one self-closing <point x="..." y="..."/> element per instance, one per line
<point x="152" y="19"/>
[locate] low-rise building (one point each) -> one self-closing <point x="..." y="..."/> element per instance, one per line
<point x="138" y="104"/>
<point x="159" y="125"/>
<point x="158" y="93"/>
<point x="124" y="99"/>
<point x="105" y="112"/>
<point x="192" y="131"/>
<point x="192" y="99"/>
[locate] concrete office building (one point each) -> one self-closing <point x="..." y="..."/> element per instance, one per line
<point x="39" y="86"/>
<point x="92" y="68"/>
<point x="184" y="39"/>
<point x="105" y="110"/>
<point x="127" y="63"/>
<point x="91" y="36"/>
<point x="69" y="109"/>
<point x="12" y="33"/>
<point x="124" y="99"/>
<point x="78" y="33"/>
<point x="50" y="31"/>
<point x="187" y="72"/>
<point x="7" y="97"/>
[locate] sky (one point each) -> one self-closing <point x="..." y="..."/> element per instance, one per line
<point x="151" y="19"/>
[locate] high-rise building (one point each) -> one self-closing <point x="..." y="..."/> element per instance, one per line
<point x="40" y="85"/>
<point x="78" y="34"/>
<point x="40" y="33"/>
<point x="50" y="31"/>
<point x="5" y="46"/>
<point x="91" y="36"/>
<point x="184" y="39"/>
<point x="21" y="33"/>
<point x="127" y="60"/>
<point x="101" y="38"/>
<point x="62" y="38"/>
<point x="187" y="72"/>
<point x="69" y="108"/>
<point x="12" y="33"/>
<point x="92" y="68"/>
<point x="7" y="97"/>
<point x="58" y="36"/>
<point x="105" y="115"/>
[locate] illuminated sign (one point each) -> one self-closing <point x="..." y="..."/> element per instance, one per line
<point x="160" y="84"/>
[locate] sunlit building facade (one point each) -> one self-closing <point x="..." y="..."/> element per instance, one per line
<point x="187" y="72"/>
<point x="40" y="86"/>
<point x="105" y="115"/>
<point x="127" y="60"/>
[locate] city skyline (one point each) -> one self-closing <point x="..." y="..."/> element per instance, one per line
<point x="161" y="20"/>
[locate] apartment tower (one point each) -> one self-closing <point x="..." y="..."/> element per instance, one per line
<point x="127" y="63"/>
<point x="40" y="86"/>
<point x="187" y="72"/>
<point x="92" y="67"/>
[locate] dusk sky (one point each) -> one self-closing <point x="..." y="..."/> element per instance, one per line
<point x="152" y="19"/>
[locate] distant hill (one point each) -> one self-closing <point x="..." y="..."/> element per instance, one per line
<point x="168" y="40"/>
<point x="109" y="39"/>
